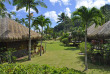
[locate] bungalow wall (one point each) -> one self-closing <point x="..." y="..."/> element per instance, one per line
<point x="21" y="47"/>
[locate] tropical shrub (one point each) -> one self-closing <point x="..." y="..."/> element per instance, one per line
<point x="82" y="47"/>
<point x="7" y="55"/>
<point x="35" y="69"/>
<point x="64" y="36"/>
<point x="65" y="41"/>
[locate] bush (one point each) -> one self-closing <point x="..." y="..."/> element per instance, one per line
<point x="82" y="47"/>
<point x="35" y="69"/>
<point x="46" y="37"/>
<point x="65" y="41"/>
<point x="64" y="36"/>
<point x="9" y="55"/>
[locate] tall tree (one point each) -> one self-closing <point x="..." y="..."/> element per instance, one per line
<point x="106" y="12"/>
<point x="87" y="16"/>
<point x="31" y="17"/>
<point x="28" y="4"/>
<point x="42" y="21"/>
<point x="61" y="19"/>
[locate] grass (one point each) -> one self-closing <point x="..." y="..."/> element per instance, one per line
<point x="59" y="55"/>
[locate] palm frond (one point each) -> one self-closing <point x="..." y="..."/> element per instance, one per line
<point x="34" y="8"/>
<point x="42" y="4"/>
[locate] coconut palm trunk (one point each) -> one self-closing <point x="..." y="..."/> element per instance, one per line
<point x="29" y="47"/>
<point x="86" y="65"/>
<point x="41" y="42"/>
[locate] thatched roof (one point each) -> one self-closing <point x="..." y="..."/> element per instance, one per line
<point x="10" y="30"/>
<point x="102" y="32"/>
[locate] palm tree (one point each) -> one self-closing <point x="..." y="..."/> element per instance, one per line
<point x="42" y="21"/>
<point x="106" y="11"/>
<point x="48" y="28"/>
<point x="28" y="4"/>
<point x="3" y="8"/>
<point x="62" y="19"/>
<point x="31" y="17"/>
<point x="87" y="16"/>
<point x="17" y="20"/>
<point x="22" y="21"/>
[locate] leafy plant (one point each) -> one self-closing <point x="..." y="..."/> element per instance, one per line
<point x="64" y="36"/>
<point x="65" y="41"/>
<point x="9" y="56"/>
<point x="82" y="47"/>
<point x="35" y="69"/>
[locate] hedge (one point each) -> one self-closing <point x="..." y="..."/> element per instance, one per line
<point x="35" y="69"/>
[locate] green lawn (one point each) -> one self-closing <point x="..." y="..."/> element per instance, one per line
<point x="59" y="55"/>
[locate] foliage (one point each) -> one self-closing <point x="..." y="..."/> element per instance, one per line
<point x="65" y="41"/>
<point x="68" y="26"/>
<point x="54" y="35"/>
<point x="101" y="57"/>
<point x="41" y="21"/>
<point x="106" y="11"/>
<point x="82" y="47"/>
<point x="7" y="55"/>
<point x="86" y="16"/>
<point x="46" y="37"/>
<point x="35" y="69"/>
<point x="78" y="34"/>
<point x="28" y="4"/>
<point x="64" y="36"/>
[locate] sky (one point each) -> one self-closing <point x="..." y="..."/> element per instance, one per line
<point x="56" y="7"/>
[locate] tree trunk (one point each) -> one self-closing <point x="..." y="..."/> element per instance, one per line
<point x="0" y="60"/>
<point x="86" y="65"/>
<point x="41" y="43"/>
<point x="29" y="47"/>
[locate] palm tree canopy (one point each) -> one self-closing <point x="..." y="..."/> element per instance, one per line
<point x="42" y="21"/>
<point x="62" y="17"/>
<point x="31" y="17"/>
<point x="88" y="15"/>
<point x="26" y="3"/>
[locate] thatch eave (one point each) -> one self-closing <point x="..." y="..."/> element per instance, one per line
<point x="10" y="30"/>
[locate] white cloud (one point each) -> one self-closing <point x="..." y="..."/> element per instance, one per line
<point x="60" y="13"/>
<point x="51" y="15"/>
<point x="68" y="12"/>
<point x="23" y="9"/>
<point x="65" y="2"/>
<point x="91" y="3"/>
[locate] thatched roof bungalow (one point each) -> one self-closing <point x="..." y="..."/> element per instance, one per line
<point x="15" y="35"/>
<point x="100" y="32"/>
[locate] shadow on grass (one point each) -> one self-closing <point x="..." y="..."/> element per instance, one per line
<point x="51" y="43"/>
<point x="70" y="45"/>
<point x="101" y="68"/>
<point x="66" y="45"/>
<point x="74" y="48"/>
